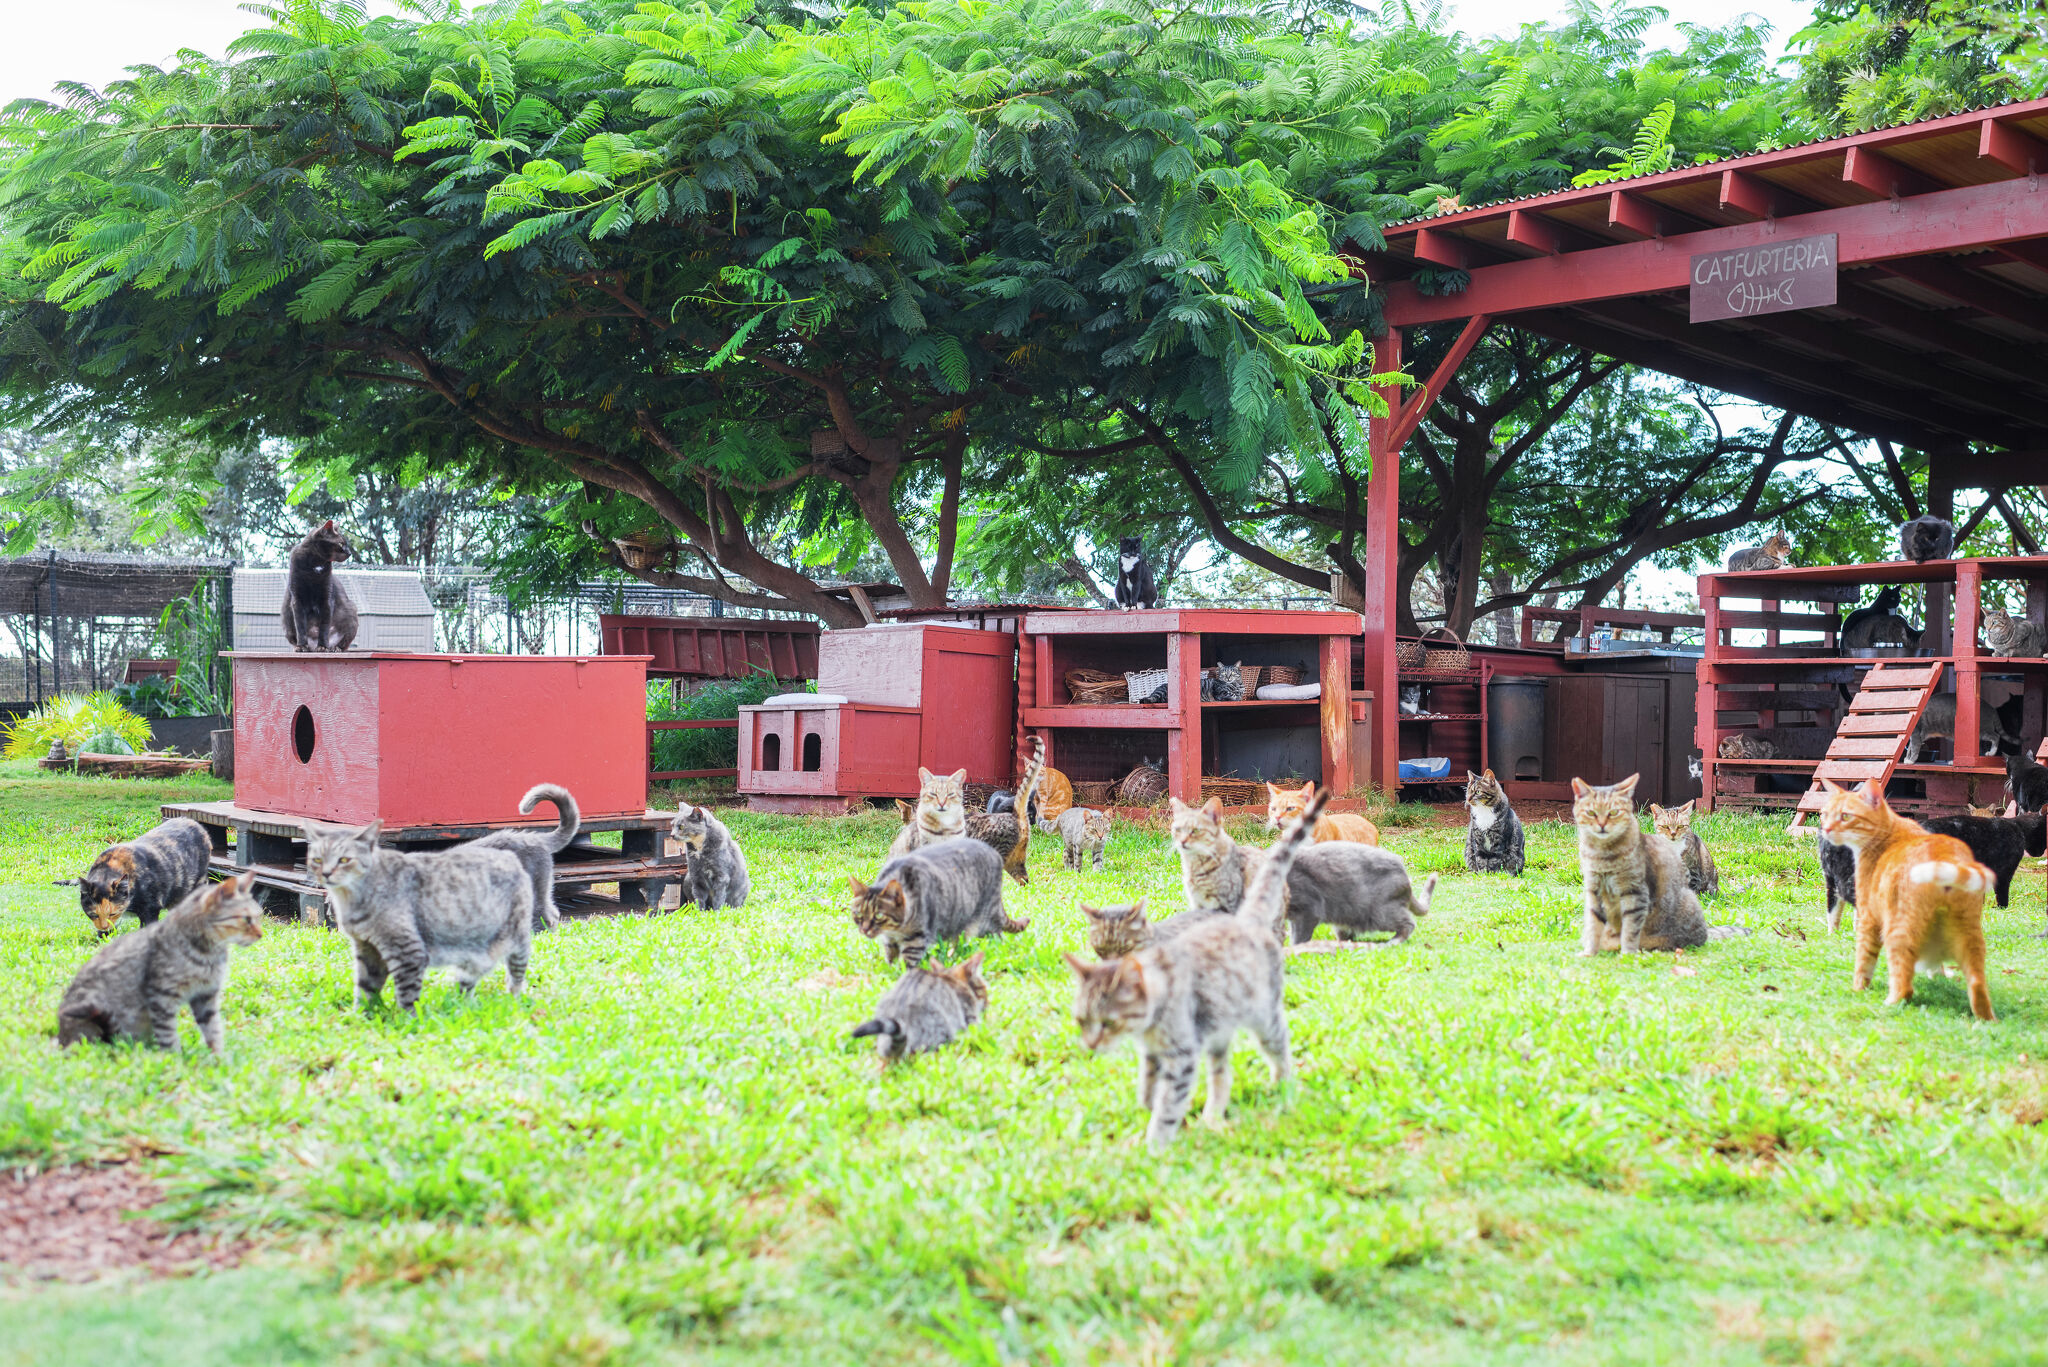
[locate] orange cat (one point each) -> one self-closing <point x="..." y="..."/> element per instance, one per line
<point x="1919" y="897"/>
<point x="1284" y="804"/>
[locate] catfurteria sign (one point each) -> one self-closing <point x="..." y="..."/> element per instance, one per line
<point x="1776" y="277"/>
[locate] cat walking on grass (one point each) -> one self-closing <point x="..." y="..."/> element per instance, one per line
<point x="134" y="988"/>
<point x="926" y="1009"/>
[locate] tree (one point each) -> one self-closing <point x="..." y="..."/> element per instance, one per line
<point x="759" y="289"/>
<point x="1874" y="63"/>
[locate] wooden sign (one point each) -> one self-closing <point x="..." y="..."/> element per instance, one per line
<point x="1775" y="277"/>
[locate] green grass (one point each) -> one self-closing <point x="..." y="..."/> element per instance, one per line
<point x="670" y="1151"/>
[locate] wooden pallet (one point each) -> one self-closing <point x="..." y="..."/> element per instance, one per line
<point x="1873" y="734"/>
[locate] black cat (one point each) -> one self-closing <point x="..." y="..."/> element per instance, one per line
<point x="2026" y="782"/>
<point x="1928" y="538"/>
<point x="1997" y="842"/>
<point x="1134" y="586"/>
<point x="1885" y="605"/>
<point x="318" y="614"/>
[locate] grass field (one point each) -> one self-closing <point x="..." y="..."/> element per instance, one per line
<point x="670" y="1151"/>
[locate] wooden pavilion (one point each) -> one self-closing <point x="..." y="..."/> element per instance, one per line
<point x="1893" y="283"/>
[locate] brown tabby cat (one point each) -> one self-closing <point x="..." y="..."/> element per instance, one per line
<point x="1117" y="931"/>
<point x="1740" y="746"/>
<point x="1770" y="556"/>
<point x="1635" y="886"/>
<point x="2007" y="635"/>
<point x="134" y="988"/>
<point x="1214" y="869"/>
<point x="942" y="813"/>
<point x="1284" y="804"/>
<point x="1675" y="825"/>
<point x="1919" y="897"/>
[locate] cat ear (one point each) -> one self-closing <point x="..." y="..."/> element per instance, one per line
<point x="243" y="884"/>
<point x="1580" y="787"/>
<point x="1490" y="778"/>
<point x="924" y="775"/>
<point x="959" y="775"/>
<point x="371" y="831"/>
<point x="682" y="810"/>
<point x="1080" y="965"/>
<point x="1828" y="785"/>
<point x="1686" y="810"/>
<point x="1213" y="807"/>
<point x="894" y="887"/>
<point x="1627" y="786"/>
<point x="969" y="966"/>
<point x="1655" y="811"/>
<point x="858" y="888"/>
<point x="1138" y="907"/>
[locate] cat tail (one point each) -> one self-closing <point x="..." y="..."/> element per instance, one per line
<point x="572" y="817"/>
<point x="1418" y="902"/>
<point x="1028" y="789"/>
<point x="1950" y="875"/>
<point x="1261" y="904"/>
<point x="1727" y="932"/>
<point x="878" y="1026"/>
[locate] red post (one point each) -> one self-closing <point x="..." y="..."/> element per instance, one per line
<point x="1382" y="564"/>
<point x="1184" y="710"/>
<point x="1706" y="704"/>
<point x="1336" y="714"/>
<point x="1969" y="691"/>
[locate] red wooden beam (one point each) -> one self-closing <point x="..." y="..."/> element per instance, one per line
<point x="1869" y="169"/>
<point x="1409" y="415"/>
<point x="1535" y="231"/>
<point x="1996" y="298"/>
<point x="1440" y="249"/>
<point x="2013" y="148"/>
<point x="1747" y="193"/>
<point x="1949" y="220"/>
<point x="1647" y="218"/>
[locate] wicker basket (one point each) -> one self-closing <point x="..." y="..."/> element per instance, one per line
<point x="1093" y="686"/>
<point x="1286" y="675"/>
<point x="1141" y="684"/>
<point x="1408" y="654"/>
<point x="1144" y="786"/>
<point x="1094" y="794"/>
<point x="1444" y="653"/>
<point x="1254" y="675"/>
<point x="1235" y="792"/>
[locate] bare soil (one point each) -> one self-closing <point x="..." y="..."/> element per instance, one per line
<point x="81" y="1224"/>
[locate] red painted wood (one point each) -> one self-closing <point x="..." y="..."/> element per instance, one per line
<point x="1183" y="705"/>
<point x="439" y="739"/>
<point x="713" y="647"/>
<point x="2012" y="148"/>
<point x="1381" y="675"/>
<point x="1335" y="676"/>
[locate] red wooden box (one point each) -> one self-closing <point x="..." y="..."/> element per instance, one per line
<point x="450" y="740"/>
<point x="714" y="647"/>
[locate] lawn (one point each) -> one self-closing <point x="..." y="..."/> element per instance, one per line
<point x="669" y="1151"/>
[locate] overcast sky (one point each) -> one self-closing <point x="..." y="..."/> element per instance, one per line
<point x="92" y="40"/>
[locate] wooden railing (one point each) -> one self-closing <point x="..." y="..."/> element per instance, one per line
<point x="710" y="724"/>
<point x="1585" y="621"/>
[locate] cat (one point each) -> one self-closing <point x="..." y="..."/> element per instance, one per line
<point x="1120" y="930"/>
<point x="1214" y="869"/>
<point x="1494" y="841"/>
<point x="1355" y="889"/>
<point x="468" y="908"/>
<point x="1184" y="998"/>
<point x="1227" y="683"/>
<point x="155" y="870"/>
<point x="1082" y="831"/>
<point x="1838" y="871"/>
<point x="536" y="850"/>
<point x="1772" y="555"/>
<point x="1858" y="625"/>
<point x="1740" y="746"/>
<point x="1635" y="884"/>
<point x="2026" y="781"/>
<point x="1284" y="804"/>
<point x="1411" y="700"/>
<point x="1134" y="586"/>
<point x="717" y="872"/>
<point x="1927" y="538"/>
<point x="1938" y="719"/>
<point x="939" y="814"/>
<point x="2007" y="635"/>
<point x="1999" y="843"/>
<point x="1919" y="897"/>
<point x="133" y="988"/>
<point x="947" y="890"/>
<point x="926" y="1009"/>
<point x="942" y="813"/>
<point x="318" y="614"/>
<point x="1675" y="825"/>
<point x="1695" y="767"/>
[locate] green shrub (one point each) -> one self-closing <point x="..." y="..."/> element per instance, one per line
<point x="76" y="719"/>
<point x="707" y="749"/>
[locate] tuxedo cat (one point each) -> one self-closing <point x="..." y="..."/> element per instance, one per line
<point x="1134" y="586"/>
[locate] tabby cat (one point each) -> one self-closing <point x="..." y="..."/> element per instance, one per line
<point x="1356" y="890"/>
<point x="1919" y="897"/>
<point x="1635" y="885"/>
<point x="942" y="813"/>
<point x="2007" y="635"/>
<point x="926" y="1009"/>
<point x="1675" y="825"/>
<point x="1116" y="931"/>
<point x="1494" y="840"/>
<point x="717" y="875"/>
<point x="1771" y="555"/>
<point x="1082" y="831"/>
<point x="1185" y="998"/>
<point x="1229" y="682"/>
<point x="1214" y="869"/>
<point x="135" y="986"/>
<point x="1741" y="746"/>
<point x="947" y="890"/>
<point x="469" y="908"/>
<point x="536" y="850"/>
<point x="1938" y="719"/>
<point x="1284" y="804"/>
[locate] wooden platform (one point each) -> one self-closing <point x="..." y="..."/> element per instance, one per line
<point x="273" y="846"/>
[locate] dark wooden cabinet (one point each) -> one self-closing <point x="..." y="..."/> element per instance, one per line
<point x="1604" y="727"/>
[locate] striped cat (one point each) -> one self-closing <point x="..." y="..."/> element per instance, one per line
<point x="1636" y="896"/>
<point x="941" y="813"/>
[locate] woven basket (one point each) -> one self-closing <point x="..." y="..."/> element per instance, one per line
<point x="1287" y="675"/>
<point x="1094" y="794"/>
<point x="1141" y="684"/>
<point x="1144" y="786"/>
<point x="1254" y="675"/>
<point x="1094" y="686"/>
<point x="1235" y="792"/>
<point x="1444" y="653"/>
<point x="1408" y="655"/>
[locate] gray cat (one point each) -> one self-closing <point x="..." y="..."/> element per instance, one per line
<point x="1494" y="842"/>
<point x="1183" y="999"/>
<point x="466" y="908"/>
<point x="2007" y="635"/>
<point x="536" y="850"/>
<point x="1356" y="889"/>
<point x="927" y="1009"/>
<point x="1938" y="719"/>
<point x="946" y="890"/>
<point x="1119" y="930"/>
<point x="717" y="874"/>
<point x="1082" y="831"/>
<point x="134" y="987"/>
<point x="1636" y="897"/>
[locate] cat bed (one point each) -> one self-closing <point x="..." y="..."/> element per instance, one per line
<point x="1434" y="767"/>
<point x="1290" y="692"/>
<point x="789" y="699"/>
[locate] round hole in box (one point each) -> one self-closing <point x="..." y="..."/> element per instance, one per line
<point x="303" y="737"/>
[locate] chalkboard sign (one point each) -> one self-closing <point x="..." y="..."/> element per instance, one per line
<point x="1774" y="277"/>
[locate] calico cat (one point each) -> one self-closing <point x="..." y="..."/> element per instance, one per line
<point x="1675" y="825"/>
<point x="1134" y="586"/>
<point x="926" y="1009"/>
<point x="536" y="850"/>
<point x="1355" y="889"/>
<point x="1184" y="998"/>
<point x="1082" y="831"/>
<point x="1927" y="538"/>
<point x="1284" y="804"/>
<point x="946" y="890"/>
<point x="1919" y="897"/>
<point x="942" y="813"/>
<point x="156" y="869"/>
<point x="318" y="614"/>
<point x="1740" y="746"/>
<point x="717" y="875"/>
<point x="469" y="908"/>
<point x="1635" y="884"/>
<point x="2007" y="635"/>
<point x="1999" y="843"/>
<point x="1772" y="555"/>
<point x="1838" y="871"/>
<point x="1116" y="931"/>
<point x="134" y="987"/>
<point x="1858" y="625"/>
<point x="1494" y="840"/>
<point x="2026" y="782"/>
<point x="1938" y="719"/>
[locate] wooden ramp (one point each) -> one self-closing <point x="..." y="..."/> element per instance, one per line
<point x="1873" y="733"/>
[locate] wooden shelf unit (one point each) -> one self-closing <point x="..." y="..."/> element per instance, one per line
<point x="1776" y="677"/>
<point x="1424" y="735"/>
<point x="1183" y="641"/>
